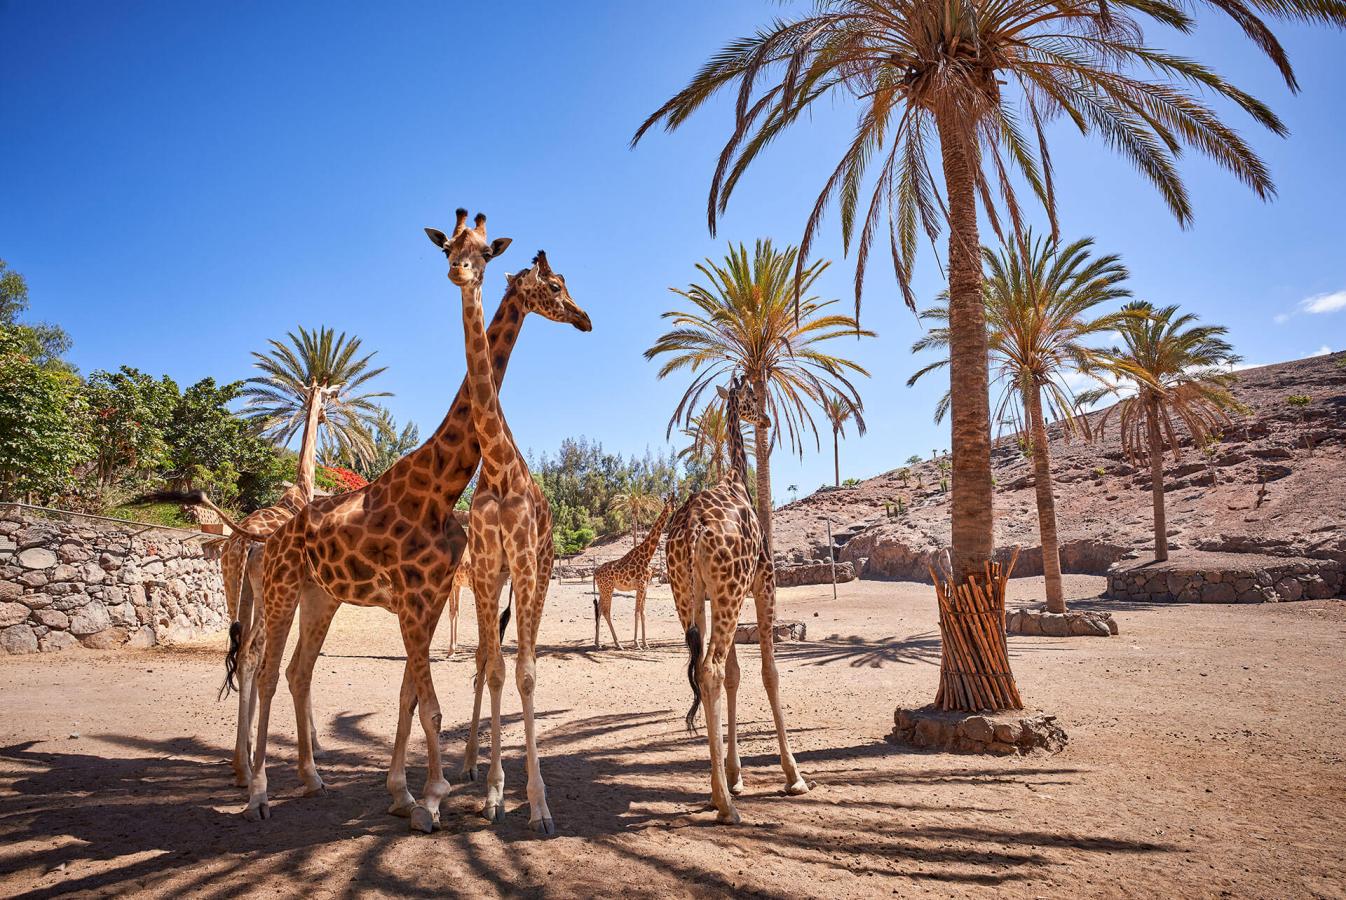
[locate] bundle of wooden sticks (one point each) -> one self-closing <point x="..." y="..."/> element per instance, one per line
<point x="974" y="668"/>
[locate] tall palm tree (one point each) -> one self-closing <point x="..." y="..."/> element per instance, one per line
<point x="1182" y="376"/>
<point x="637" y="502"/>
<point x="1040" y="299"/>
<point x="315" y="383"/>
<point x="839" y="411"/>
<point x="746" y="319"/>
<point x="709" y="432"/>
<point x="973" y="84"/>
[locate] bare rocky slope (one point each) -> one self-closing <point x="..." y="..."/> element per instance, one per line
<point x="1103" y="499"/>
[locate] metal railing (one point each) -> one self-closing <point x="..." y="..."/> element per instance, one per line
<point x="185" y="535"/>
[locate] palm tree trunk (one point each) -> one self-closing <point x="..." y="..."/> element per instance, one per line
<point x="1042" y="485"/>
<point x="762" y="452"/>
<point x="306" y="469"/>
<point x="836" y="456"/>
<point x="1157" y="481"/>
<point x="970" y="412"/>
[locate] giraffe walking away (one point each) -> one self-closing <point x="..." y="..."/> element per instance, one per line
<point x="631" y="572"/>
<point x="715" y="555"/>
<point x="510" y="525"/>
<point x="394" y="544"/>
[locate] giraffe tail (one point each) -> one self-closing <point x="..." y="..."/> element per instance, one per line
<point x="231" y="660"/>
<point x="594" y="582"/>
<point x="694" y="660"/>
<point x="504" y="616"/>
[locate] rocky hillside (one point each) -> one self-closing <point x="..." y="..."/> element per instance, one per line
<point x="1216" y="501"/>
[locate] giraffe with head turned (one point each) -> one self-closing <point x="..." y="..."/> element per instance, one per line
<point x="716" y="554"/>
<point x="630" y="573"/>
<point x="510" y="524"/>
<point x="394" y="544"/>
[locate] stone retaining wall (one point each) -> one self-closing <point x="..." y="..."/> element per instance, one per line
<point x="1226" y="578"/>
<point x="813" y="573"/>
<point x="77" y="581"/>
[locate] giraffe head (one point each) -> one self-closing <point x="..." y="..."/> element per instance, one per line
<point x="467" y="249"/>
<point x="741" y="399"/>
<point x="544" y="292"/>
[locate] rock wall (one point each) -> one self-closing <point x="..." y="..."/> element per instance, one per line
<point x="78" y="581"/>
<point x="1197" y="577"/>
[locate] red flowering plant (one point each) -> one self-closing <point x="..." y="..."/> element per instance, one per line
<point x="339" y="480"/>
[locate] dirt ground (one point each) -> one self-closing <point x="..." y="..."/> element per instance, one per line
<point x="1205" y="759"/>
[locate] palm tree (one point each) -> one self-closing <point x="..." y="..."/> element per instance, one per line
<point x="709" y="432"/>
<point x="977" y="82"/>
<point x="746" y="319"/>
<point x="636" y="502"/>
<point x="315" y="384"/>
<point x="1182" y="375"/>
<point x="839" y="411"/>
<point x="1039" y="308"/>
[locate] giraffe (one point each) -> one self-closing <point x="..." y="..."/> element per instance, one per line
<point x="715" y="553"/>
<point x="631" y="572"/>
<point x="394" y="544"/>
<point x="510" y="524"/>
<point x="461" y="578"/>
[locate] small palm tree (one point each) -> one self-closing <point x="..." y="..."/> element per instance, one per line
<point x="745" y="320"/>
<point x="1040" y="299"/>
<point x="316" y="380"/>
<point x="1182" y="376"/>
<point x="635" y="503"/>
<point x="839" y="411"/>
<point x="709" y="432"/>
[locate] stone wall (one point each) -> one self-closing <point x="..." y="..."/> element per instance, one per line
<point x="69" y="581"/>
<point x="1198" y="577"/>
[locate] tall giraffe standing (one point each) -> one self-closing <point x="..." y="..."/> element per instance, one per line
<point x="510" y="524"/>
<point x="716" y="554"/>
<point x="394" y="544"/>
<point x="631" y="572"/>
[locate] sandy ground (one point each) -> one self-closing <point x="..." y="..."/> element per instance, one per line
<point x="1205" y="760"/>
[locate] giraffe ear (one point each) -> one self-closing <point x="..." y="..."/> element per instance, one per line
<point x="724" y="395"/>
<point x="499" y="245"/>
<point x="437" y="237"/>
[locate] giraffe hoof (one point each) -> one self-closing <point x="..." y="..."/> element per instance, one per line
<point x="544" y="825"/>
<point x="799" y="787"/>
<point x="466" y="776"/>
<point x="423" y="821"/>
<point x="493" y="813"/>
<point x="727" y="817"/>
<point x="316" y="790"/>
<point x="257" y="813"/>
<point x="402" y="808"/>
<point x="241" y="780"/>
<point x="736" y="787"/>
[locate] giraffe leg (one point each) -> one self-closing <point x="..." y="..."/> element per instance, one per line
<point x="733" y="767"/>
<point x="764" y="596"/>
<point x="486" y="623"/>
<point x="454" y="593"/>
<point x="247" y="693"/>
<point x="278" y="615"/>
<point x="640" y="618"/>
<point x="316" y="610"/>
<point x="605" y="604"/>
<point x="416" y="638"/>
<point x="711" y="679"/>
<point x="403" y="803"/>
<point x="531" y="593"/>
<point x="491" y="657"/>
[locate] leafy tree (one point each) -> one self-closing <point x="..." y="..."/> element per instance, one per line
<point x="839" y="411"/>
<point x="43" y="425"/>
<point x="637" y="503"/>
<point x="747" y="318"/>
<point x="1182" y="376"/>
<point x="1040" y="299"/>
<point x="41" y="342"/>
<point x="130" y="413"/>
<point x="390" y="445"/>
<point x="320" y="367"/>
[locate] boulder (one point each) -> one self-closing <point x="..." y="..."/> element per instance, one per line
<point x="53" y="641"/>
<point x="12" y="614"/>
<point x="91" y="619"/>
<point x="52" y="618"/>
<point x="18" y="639"/>
<point x="107" y="639"/>
<point x="37" y="558"/>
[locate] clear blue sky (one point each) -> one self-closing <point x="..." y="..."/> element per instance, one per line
<point x="182" y="181"/>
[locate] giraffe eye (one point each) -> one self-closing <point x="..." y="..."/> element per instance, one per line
<point x="555" y="288"/>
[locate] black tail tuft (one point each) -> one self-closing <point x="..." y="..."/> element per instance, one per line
<point x="187" y="498"/>
<point x="504" y="616"/>
<point x="694" y="652"/>
<point x="231" y="660"/>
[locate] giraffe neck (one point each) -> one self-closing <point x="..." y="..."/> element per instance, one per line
<point x="645" y="551"/>
<point x="738" y="457"/>
<point x="306" y="471"/>
<point x="482" y="391"/>
<point x="450" y="456"/>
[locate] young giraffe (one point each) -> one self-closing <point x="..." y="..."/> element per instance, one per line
<point x="631" y="572"/>
<point x="510" y="526"/>
<point x="394" y="544"/>
<point x="461" y="579"/>
<point x="715" y="554"/>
